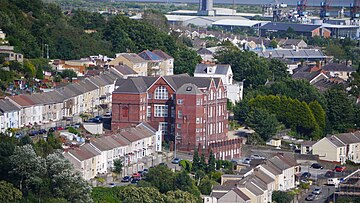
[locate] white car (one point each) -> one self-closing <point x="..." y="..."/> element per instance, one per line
<point x="256" y="156"/>
<point x="246" y="161"/>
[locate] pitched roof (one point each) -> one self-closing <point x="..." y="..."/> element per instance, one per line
<point x="162" y="54"/>
<point x="309" y="76"/>
<point x="348" y="138"/>
<point x="84" y="152"/>
<point x="292" y="54"/>
<point x="285" y="26"/>
<point x="241" y="194"/>
<point x="263" y="176"/>
<point x="286" y="42"/>
<point x="7" y="106"/>
<point x="149" y="56"/>
<point x="220" y="69"/>
<point x="22" y="100"/>
<point x="335" y="141"/>
<point x="133" y="57"/>
<point x="204" y="51"/>
<point x="188" y="88"/>
<point x="124" y="70"/>
<point x="338" y="67"/>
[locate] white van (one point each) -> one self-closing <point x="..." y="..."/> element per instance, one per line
<point x="333" y="181"/>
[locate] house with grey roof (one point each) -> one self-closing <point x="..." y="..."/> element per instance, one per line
<point x="132" y="60"/>
<point x="85" y="159"/>
<point x="167" y="64"/>
<point x="339" y="147"/>
<point x="211" y="70"/>
<point x="123" y="71"/>
<point x="292" y="43"/>
<point x="340" y="70"/>
<point x="10" y="115"/>
<point x="295" y="55"/>
<point x="225" y="194"/>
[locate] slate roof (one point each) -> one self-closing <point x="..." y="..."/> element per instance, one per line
<point x="149" y="56"/>
<point x="348" y="138"/>
<point x="291" y="53"/>
<point x="204" y="51"/>
<point x="188" y="88"/>
<point x="263" y="176"/>
<point x="338" y="67"/>
<point x="7" y="106"/>
<point x="84" y="152"/>
<point x="220" y="69"/>
<point x="335" y="141"/>
<point x="125" y="70"/>
<point x="162" y="54"/>
<point x="287" y="42"/>
<point x="285" y="26"/>
<point x="133" y="57"/>
<point x="306" y="75"/>
<point x="22" y="100"/>
<point x="141" y="84"/>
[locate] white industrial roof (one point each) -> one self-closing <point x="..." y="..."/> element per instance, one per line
<point x="179" y="17"/>
<point x="240" y="23"/>
<point x="326" y="25"/>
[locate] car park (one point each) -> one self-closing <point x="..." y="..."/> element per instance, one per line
<point x="126" y="179"/>
<point x="310" y="197"/>
<point x="176" y="160"/>
<point x="339" y="168"/>
<point x="317" y="190"/>
<point x="316" y="166"/>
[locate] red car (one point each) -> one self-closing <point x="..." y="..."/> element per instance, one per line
<point x="339" y="168"/>
<point x="136" y="175"/>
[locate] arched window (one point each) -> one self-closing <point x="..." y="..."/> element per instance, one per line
<point x="161" y="93"/>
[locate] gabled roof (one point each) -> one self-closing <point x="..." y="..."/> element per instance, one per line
<point x="84" y="152"/>
<point x="149" y="56"/>
<point x="286" y="42"/>
<point x="335" y="141"/>
<point x="340" y="67"/>
<point x="220" y="69"/>
<point x="309" y="76"/>
<point x="124" y="70"/>
<point x="133" y="57"/>
<point x="162" y="54"/>
<point x="263" y="176"/>
<point x="132" y="85"/>
<point x="348" y="138"/>
<point x="285" y="26"/>
<point x="292" y="54"/>
<point x="204" y="51"/>
<point x="7" y="106"/>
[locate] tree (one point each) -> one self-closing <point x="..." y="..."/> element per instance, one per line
<point x="184" y="182"/>
<point x="65" y="183"/>
<point x="179" y="196"/>
<point x="9" y="193"/>
<point x="278" y="69"/>
<point x="118" y="166"/>
<point x="211" y="163"/>
<point x="264" y="123"/>
<point x="156" y="19"/>
<point x="68" y="73"/>
<point x="281" y="197"/>
<point x="273" y="44"/>
<point x="202" y="163"/>
<point x="131" y="194"/>
<point x="27" y="166"/>
<point x="319" y="114"/>
<point x="205" y="186"/>
<point x="162" y="178"/>
<point x="29" y="69"/>
<point x="39" y="73"/>
<point x="196" y="161"/>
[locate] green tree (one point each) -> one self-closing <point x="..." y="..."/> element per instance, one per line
<point x="319" y="114"/>
<point x="281" y="197"/>
<point x="118" y="166"/>
<point x="156" y="19"/>
<point x="202" y="164"/>
<point x="162" y="178"/>
<point x="336" y="51"/>
<point x="179" y="196"/>
<point x="278" y="70"/>
<point x="264" y="123"/>
<point x="9" y="193"/>
<point x="205" y="186"/>
<point x="68" y="73"/>
<point x="39" y="73"/>
<point x="196" y="161"/>
<point x="29" y="69"/>
<point x="26" y="166"/>
<point x="273" y="44"/>
<point x="211" y="163"/>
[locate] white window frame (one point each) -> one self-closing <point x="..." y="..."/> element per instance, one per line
<point x="161" y="93"/>
<point x="161" y="111"/>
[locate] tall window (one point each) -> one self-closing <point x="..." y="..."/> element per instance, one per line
<point x="163" y="127"/>
<point x="125" y="111"/>
<point x="148" y="111"/>
<point x="161" y="110"/>
<point x="161" y="93"/>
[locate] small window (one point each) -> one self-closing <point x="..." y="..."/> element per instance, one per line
<point x="188" y="89"/>
<point x="180" y="115"/>
<point x="180" y="101"/>
<point x="179" y="126"/>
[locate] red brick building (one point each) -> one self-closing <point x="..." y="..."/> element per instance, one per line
<point x="190" y="108"/>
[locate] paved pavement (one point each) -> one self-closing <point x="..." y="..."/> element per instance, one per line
<point x="327" y="191"/>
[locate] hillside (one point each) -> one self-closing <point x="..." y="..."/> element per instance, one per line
<point x="30" y="24"/>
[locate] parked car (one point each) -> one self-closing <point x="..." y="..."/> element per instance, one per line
<point x="256" y="156"/>
<point x="146" y="170"/>
<point x="176" y="160"/>
<point x="33" y="132"/>
<point x="60" y="128"/>
<point x="135" y="180"/>
<point x="339" y="168"/>
<point x="18" y="135"/>
<point x="126" y="179"/>
<point x="310" y="197"/>
<point x="316" y="166"/>
<point x="305" y="175"/>
<point x="52" y="129"/>
<point x="42" y="131"/>
<point x="136" y="175"/>
<point x="246" y="161"/>
<point x="112" y="184"/>
<point x="317" y="190"/>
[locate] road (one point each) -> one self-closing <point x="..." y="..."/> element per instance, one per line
<point x="324" y="195"/>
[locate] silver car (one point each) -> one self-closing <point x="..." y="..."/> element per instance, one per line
<point x="317" y="190"/>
